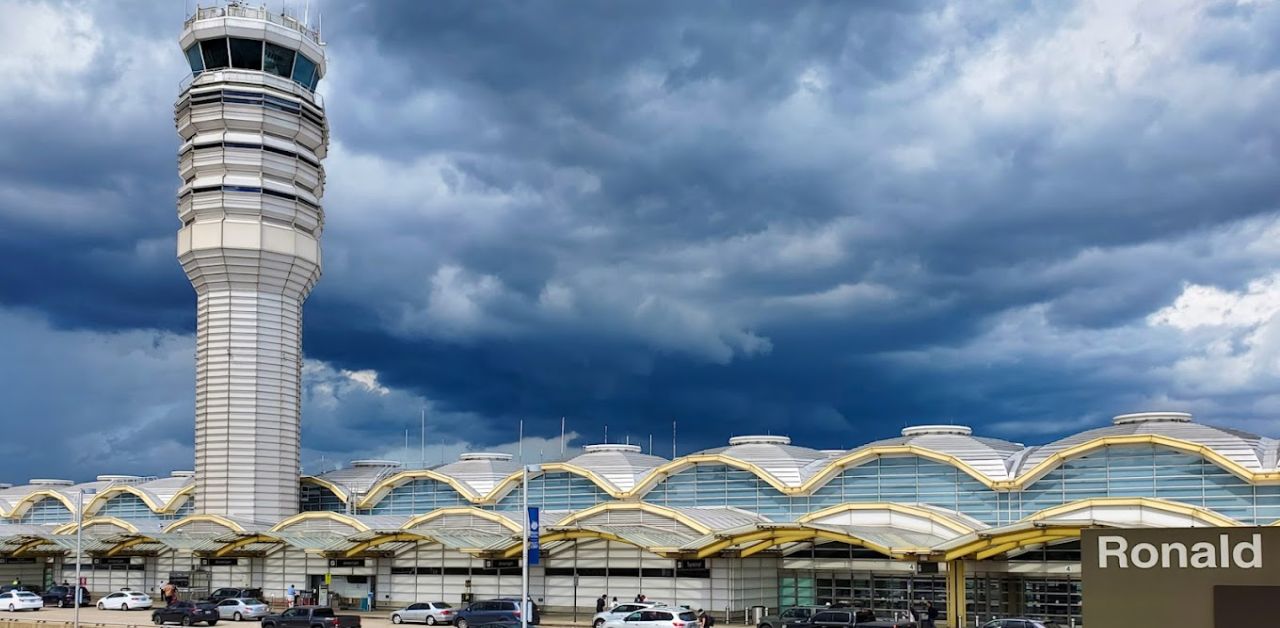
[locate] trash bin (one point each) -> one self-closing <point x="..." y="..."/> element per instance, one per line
<point x="757" y="615"/>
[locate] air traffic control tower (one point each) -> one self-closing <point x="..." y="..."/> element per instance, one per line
<point x="253" y="134"/>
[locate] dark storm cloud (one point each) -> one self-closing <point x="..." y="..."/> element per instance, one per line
<point x="824" y="218"/>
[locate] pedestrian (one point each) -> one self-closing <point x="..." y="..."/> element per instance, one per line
<point x="615" y="600"/>
<point x="290" y="596"/>
<point x="930" y="616"/>
<point x="600" y="602"/>
<point x="167" y="593"/>
<point x="705" y="620"/>
<point x="639" y="598"/>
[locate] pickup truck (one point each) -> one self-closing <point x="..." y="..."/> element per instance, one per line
<point x="849" y="618"/>
<point x="310" y="617"/>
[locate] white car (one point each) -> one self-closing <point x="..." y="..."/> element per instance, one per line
<point x="429" y="613"/>
<point x="620" y="612"/>
<point x="20" y="601"/>
<point x="240" y="609"/>
<point x="124" y="600"/>
<point x="656" y="617"/>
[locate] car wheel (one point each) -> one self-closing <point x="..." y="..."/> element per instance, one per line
<point x="431" y="621"/>
<point x="124" y="607"/>
<point x="395" y="619"/>
<point x="10" y="608"/>
<point x="213" y="622"/>
<point x="186" y="621"/>
<point x="62" y="603"/>
<point x="101" y="606"/>
<point x="157" y="620"/>
<point x="461" y="623"/>
<point x="599" y="623"/>
<point x="238" y="616"/>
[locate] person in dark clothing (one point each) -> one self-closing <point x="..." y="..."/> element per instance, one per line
<point x="930" y="616"/>
<point x="600" y="602"/>
<point x="705" y="620"/>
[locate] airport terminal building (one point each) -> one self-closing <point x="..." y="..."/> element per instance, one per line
<point x="982" y="526"/>
<point x="758" y="522"/>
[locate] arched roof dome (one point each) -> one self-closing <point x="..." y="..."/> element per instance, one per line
<point x="989" y="456"/>
<point x="1250" y="451"/>
<point x="775" y="454"/>
<point x="620" y="465"/>
<point x="480" y="471"/>
<point x="357" y="479"/>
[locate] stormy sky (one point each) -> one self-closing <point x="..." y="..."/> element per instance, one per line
<point x="823" y="219"/>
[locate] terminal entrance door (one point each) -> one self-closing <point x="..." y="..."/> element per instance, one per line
<point x="887" y="594"/>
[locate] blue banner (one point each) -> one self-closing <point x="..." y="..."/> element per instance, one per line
<point x="533" y="535"/>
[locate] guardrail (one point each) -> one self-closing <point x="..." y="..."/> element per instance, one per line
<point x="250" y="77"/>
<point x="235" y="9"/>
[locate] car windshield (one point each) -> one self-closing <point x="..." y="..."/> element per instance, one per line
<point x="688" y="616"/>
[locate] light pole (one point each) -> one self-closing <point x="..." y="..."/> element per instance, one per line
<point x="527" y="608"/>
<point x="79" y="535"/>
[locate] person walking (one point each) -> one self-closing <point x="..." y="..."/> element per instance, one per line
<point x="930" y="616"/>
<point x="705" y="620"/>
<point x="291" y="595"/>
<point x="600" y="602"/>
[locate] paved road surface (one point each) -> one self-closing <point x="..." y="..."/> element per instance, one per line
<point x="143" y="618"/>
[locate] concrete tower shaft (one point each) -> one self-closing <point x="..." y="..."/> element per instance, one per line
<point x="254" y="133"/>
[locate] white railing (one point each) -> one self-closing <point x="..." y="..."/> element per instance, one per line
<point x="236" y="9"/>
<point x="250" y="77"/>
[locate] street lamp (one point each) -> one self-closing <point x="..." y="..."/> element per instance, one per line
<point x="79" y="535"/>
<point x="528" y="523"/>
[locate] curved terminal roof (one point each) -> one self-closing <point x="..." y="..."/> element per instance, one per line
<point x="623" y="466"/>
<point x="480" y="471"/>
<point x="358" y="478"/>
<point x="1252" y="452"/>
<point x="773" y="454"/>
<point x="989" y="456"/>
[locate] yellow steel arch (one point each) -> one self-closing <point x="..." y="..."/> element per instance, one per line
<point x="20" y="507"/>
<point x="569" y="535"/>
<point x="214" y="519"/>
<point x="70" y="528"/>
<point x="653" y="509"/>
<point x="385" y="485"/>
<point x="763" y="539"/>
<point x="337" y="491"/>
<point x="321" y="515"/>
<point x="245" y="541"/>
<point x="1197" y="513"/>
<point x="382" y="539"/>
<point x="958" y="527"/>
<point x="487" y="515"/>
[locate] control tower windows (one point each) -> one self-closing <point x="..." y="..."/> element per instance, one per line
<point x="304" y="71"/>
<point x="193" y="58"/>
<point x="278" y="60"/>
<point x="215" y="54"/>
<point x="246" y="54"/>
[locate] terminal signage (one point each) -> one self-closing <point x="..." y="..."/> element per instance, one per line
<point x="534" y="549"/>
<point x="1179" y="576"/>
<point x="219" y="562"/>
<point x="346" y="562"/>
<point x="501" y="563"/>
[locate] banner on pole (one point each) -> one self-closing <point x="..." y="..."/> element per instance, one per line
<point x="533" y="535"/>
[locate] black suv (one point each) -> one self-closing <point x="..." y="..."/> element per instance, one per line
<point x="64" y="596"/>
<point x="227" y="593"/>
<point x="186" y="613"/>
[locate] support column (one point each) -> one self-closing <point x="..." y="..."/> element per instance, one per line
<point x="955" y="594"/>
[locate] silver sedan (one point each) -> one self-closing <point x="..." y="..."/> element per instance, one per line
<point x="429" y="613"/>
<point x="239" y="609"/>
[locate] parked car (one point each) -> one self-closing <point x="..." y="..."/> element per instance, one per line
<point x="20" y="601"/>
<point x="789" y="616"/>
<point x="20" y="587"/>
<point x="240" y="609"/>
<point x="1016" y="623"/>
<point x="491" y="611"/>
<point x="124" y="600"/>
<point x="64" y="596"/>
<point x="310" y="617"/>
<point x="226" y="593"/>
<point x="848" y="617"/>
<point x="656" y="617"/>
<point x="429" y="613"/>
<point x="620" y="612"/>
<point x="186" y="613"/>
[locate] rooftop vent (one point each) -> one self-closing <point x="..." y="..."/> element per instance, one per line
<point x="760" y="440"/>
<point x="485" y="455"/>
<point x="182" y="474"/>
<point x="374" y="463"/>
<point x="833" y="453"/>
<point x="1152" y="417"/>
<point x="932" y="430"/>
<point x="48" y="482"/>
<point x="5" y="485"/>
<point x="592" y="449"/>
<point x="118" y="478"/>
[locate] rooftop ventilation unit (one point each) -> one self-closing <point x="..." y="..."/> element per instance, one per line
<point x="48" y="482"/>
<point x="934" y="430"/>
<point x="485" y="455"/>
<point x="1152" y="417"/>
<point x="833" y="453"/>
<point x="182" y="474"/>
<point x="5" y="485"/>
<point x="118" y="478"/>
<point x="760" y="440"/>
<point x="595" y="449"/>
<point x="374" y="463"/>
